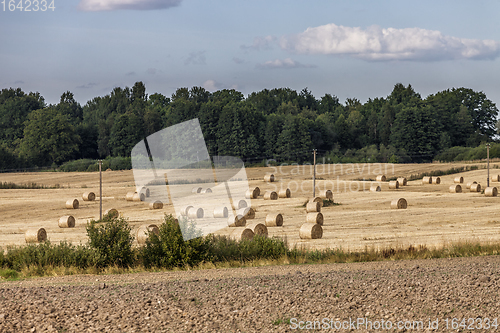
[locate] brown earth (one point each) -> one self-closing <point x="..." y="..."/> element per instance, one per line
<point x="445" y="292"/>
<point x="362" y="219"/>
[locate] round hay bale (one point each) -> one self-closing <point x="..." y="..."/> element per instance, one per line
<point x="495" y="178"/>
<point x="130" y="196"/>
<point x="315" y="218"/>
<point x="196" y="190"/>
<point x="35" y="235"/>
<point x="270" y="195"/>
<point x="258" y="229"/>
<point x="475" y="188"/>
<point x="274" y="220"/>
<point x="375" y="188"/>
<point x="455" y="188"/>
<point x="139" y="196"/>
<point x="252" y="193"/>
<point x="399" y="203"/>
<point x="236" y="221"/>
<point x="313" y="207"/>
<point x="317" y="199"/>
<point x="402" y="181"/>
<point x="156" y="205"/>
<point x="458" y="180"/>
<point x="328" y="195"/>
<point x="247" y="212"/>
<point x="491" y="191"/>
<point x="468" y="185"/>
<point x="88" y="196"/>
<point x="144" y="231"/>
<point x="72" y="204"/>
<point x="67" y="221"/>
<point x="285" y="193"/>
<point x="206" y="190"/>
<point x="145" y="190"/>
<point x="112" y="213"/>
<point x="427" y="180"/>
<point x="393" y="184"/>
<point x="269" y="178"/>
<point x="311" y="231"/>
<point x="381" y="178"/>
<point x="185" y="210"/>
<point x="436" y="180"/>
<point x="195" y="213"/>
<point x="221" y="212"/>
<point x="239" y="234"/>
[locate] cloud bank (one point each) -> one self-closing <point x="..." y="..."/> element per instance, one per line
<point x="376" y="43"/>
<point x="102" y="5"/>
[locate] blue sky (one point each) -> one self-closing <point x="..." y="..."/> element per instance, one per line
<point x="351" y="49"/>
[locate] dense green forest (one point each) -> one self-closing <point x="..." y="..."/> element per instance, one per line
<point x="280" y="124"/>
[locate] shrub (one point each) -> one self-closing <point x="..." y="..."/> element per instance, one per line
<point x="223" y="248"/>
<point x="112" y="241"/>
<point x="169" y="249"/>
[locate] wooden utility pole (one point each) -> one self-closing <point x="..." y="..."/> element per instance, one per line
<point x="314" y="174"/>
<point x="488" y="164"/>
<point x="100" y="189"/>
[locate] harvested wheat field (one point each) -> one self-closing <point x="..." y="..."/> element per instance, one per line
<point x="359" y="219"/>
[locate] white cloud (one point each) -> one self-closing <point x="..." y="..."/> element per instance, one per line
<point x="376" y="43"/>
<point x="261" y="43"/>
<point x="286" y="63"/>
<point x="101" y="5"/>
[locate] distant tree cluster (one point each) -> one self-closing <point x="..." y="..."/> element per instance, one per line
<point x="280" y="123"/>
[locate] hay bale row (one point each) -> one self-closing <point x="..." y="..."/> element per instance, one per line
<point x="270" y="195"/>
<point x="475" y="188"/>
<point x="258" y="229"/>
<point x="402" y="181"/>
<point x="88" y="196"/>
<point x="455" y="188"/>
<point x="375" y="188"/>
<point x="458" y="180"/>
<point x="427" y="180"/>
<point x="274" y="220"/>
<point x="495" y="178"/>
<point x="436" y="180"/>
<point x="393" y="184"/>
<point x="72" y="204"/>
<point x="315" y="218"/>
<point x="156" y="205"/>
<point x="252" y="193"/>
<point x="286" y="193"/>
<point x="269" y="178"/>
<point x="311" y="231"/>
<point x="381" y="178"/>
<point x="66" y="221"/>
<point x="35" y="235"/>
<point x="313" y="207"/>
<point x="491" y="191"/>
<point x="236" y="221"/>
<point x="400" y="203"/>
<point x="144" y="231"/>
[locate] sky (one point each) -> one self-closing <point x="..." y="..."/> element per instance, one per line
<point x="350" y="49"/>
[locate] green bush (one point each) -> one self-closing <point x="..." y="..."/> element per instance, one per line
<point x="169" y="249"/>
<point x="112" y="241"/>
<point x="223" y="248"/>
<point x="77" y="165"/>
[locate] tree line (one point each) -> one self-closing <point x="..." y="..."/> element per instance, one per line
<point x="280" y="124"/>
